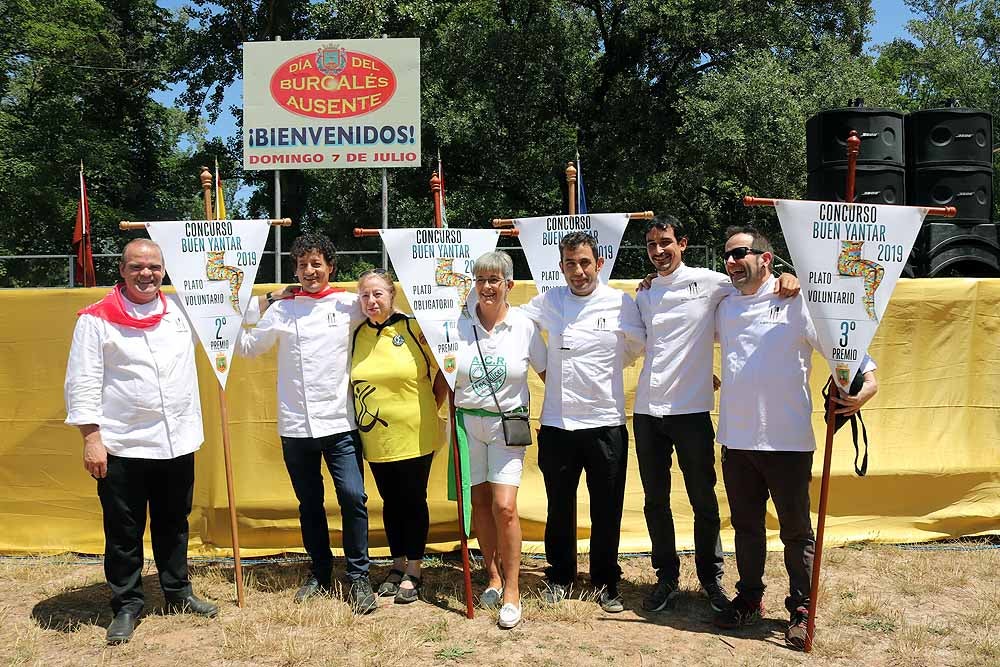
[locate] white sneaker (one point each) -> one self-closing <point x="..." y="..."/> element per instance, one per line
<point x="510" y="616"/>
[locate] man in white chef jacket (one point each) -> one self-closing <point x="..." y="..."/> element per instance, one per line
<point x="132" y="390"/>
<point x="594" y="332"/>
<point x="673" y="399"/>
<point x="765" y="427"/>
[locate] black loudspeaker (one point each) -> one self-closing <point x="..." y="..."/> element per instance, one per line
<point x="949" y="136"/>
<point x="873" y="184"/>
<point x="961" y="248"/>
<point x="969" y="188"/>
<point x="880" y="130"/>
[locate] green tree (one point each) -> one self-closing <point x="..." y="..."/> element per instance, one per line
<point x="76" y="85"/>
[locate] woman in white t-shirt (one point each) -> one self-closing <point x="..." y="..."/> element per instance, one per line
<point x="497" y="344"/>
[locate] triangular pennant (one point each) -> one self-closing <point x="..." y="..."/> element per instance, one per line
<point x="435" y="269"/>
<point x="212" y="264"/>
<point x="540" y="239"/>
<point x="848" y="258"/>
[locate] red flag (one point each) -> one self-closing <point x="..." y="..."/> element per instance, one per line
<point x="81" y="240"/>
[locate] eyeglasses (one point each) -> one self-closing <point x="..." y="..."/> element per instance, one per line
<point x="492" y="281"/>
<point x="740" y="253"/>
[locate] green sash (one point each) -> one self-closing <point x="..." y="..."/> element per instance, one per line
<point x="463" y="456"/>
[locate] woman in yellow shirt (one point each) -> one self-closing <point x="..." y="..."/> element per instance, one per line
<point x="397" y="390"/>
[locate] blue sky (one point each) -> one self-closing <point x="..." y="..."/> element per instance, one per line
<point x="890" y="22"/>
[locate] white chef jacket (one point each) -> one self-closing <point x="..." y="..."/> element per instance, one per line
<point x="139" y="386"/>
<point x="314" y="360"/>
<point x="507" y="351"/>
<point x="678" y="312"/>
<point x="591" y="340"/>
<point x="767" y="343"/>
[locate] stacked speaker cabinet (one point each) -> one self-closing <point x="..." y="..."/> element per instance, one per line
<point x="880" y="176"/>
<point x="949" y="163"/>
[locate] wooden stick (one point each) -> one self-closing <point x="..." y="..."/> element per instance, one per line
<point x="436" y="195"/>
<point x="941" y="211"/>
<point x="206" y="186"/>
<point x="509" y="222"/>
<point x="231" y="495"/>
<point x="470" y="611"/>
<point x="127" y="224"/>
<point x="360" y="232"/>
<point x="824" y="493"/>
<point x="571" y="186"/>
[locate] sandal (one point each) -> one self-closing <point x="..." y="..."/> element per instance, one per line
<point x="390" y="586"/>
<point x="408" y="595"/>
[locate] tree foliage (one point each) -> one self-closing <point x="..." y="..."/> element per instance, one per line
<point x="679" y="106"/>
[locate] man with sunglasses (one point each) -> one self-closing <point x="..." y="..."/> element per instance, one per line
<point x="766" y="430"/>
<point x="673" y="399"/>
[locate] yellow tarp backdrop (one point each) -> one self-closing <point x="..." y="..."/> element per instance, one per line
<point x="934" y="430"/>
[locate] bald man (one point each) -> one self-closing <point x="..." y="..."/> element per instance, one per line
<point x="132" y="390"/>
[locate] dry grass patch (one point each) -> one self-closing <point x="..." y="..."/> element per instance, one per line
<point x="53" y="611"/>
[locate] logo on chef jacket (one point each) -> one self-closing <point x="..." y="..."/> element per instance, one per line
<point x="398" y="340"/>
<point x="331" y="319"/>
<point x="694" y="291"/>
<point x="602" y="324"/>
<point x="774" y="314"/>
<point x="487" y="374"/>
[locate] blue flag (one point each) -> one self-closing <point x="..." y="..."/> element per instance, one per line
<point x="581" y="193"/>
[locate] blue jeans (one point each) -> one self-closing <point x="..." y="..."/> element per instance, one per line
<point x="342" y="452"/>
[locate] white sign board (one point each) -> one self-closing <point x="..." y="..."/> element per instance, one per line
<point x="848" y="258"/>
<point x="331" y="104"/>
<point x="212" y="264"/>
<point x="540" y="239"/>
<point x="434" y="267"/>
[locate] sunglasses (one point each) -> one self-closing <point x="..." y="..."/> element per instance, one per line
<point x="740" y="253"/>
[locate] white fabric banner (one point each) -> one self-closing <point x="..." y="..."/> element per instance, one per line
<point x="212" y="264"/>
<point x="848" y="258"/>
<point x="540" y="239"/>
<point x="434" y="267"/>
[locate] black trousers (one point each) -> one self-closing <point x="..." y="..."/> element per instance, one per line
<point x="750" y="476"/>
<point x="403" y="487"/>
<point x="693" y="438"/>
<point x="304" y="461"/>
<point x="562" y="456"/>
<point x="166" y="487"/>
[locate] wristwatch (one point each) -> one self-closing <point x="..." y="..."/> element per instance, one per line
<point x="270" y="298"/>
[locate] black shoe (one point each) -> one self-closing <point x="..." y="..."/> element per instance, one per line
<point x="739" y="613"/>
<point x="192" y="604"/>
<point x="661" y="595"/>
<point x="311" y="588"/>
<point x="717" y="597"/>
<point x="610" y="600"/>
<point x="361" y="597"/>
<point x="798" y="623"/>
<point x="121" y="628"/>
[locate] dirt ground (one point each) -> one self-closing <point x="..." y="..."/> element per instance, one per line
<point x="882" y="605"/>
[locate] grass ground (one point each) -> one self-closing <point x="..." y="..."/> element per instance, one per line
<point x="881" y="605"/>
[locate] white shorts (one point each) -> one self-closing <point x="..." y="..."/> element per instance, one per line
<point x="490" y="459"/>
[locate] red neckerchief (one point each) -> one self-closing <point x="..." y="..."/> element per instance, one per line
<point x="112" y="309"/>
<point x="329" y="289"/>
